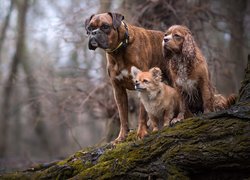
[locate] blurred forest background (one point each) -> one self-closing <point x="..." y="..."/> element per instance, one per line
<point x="55" y="95"/>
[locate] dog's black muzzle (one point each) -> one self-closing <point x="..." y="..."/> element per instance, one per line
<point x="138" y="87"/>
<point x="93" y="44"/>
<point x="97" y="38"/>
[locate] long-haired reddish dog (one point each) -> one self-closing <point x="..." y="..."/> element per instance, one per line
<point x="189" y="70"/>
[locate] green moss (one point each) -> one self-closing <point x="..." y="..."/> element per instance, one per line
<point x="14" y="176"/>
<point x="119" y="160"/>
<point x="131" y="136"/>
<point x="103" y="169"/>
<point x="61" y="163"/>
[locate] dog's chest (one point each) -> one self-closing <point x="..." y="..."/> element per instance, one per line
<point x="186" y="84"/>
<point x="154" y="107"/>
<point x="183" y="79"/>
<point x="122" y="78"/>
<point x="122" y="74"/>
<point x="117" y="71"/>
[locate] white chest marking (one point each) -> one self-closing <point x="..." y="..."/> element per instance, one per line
<point x="187" y="84"/>
<point x="123" y="74"/>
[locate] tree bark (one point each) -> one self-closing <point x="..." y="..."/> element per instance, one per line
<point x="7" y="90"/>
<point x="5" y="26"/>
<point x="21" y="58"/>
<point x="36" y="107"/>
<point x="237" y="45"/>
<point x="212" y="146"/>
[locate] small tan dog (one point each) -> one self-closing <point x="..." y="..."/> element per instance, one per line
<point x="161" y="101"/>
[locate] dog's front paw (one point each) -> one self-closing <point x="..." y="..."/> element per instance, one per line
<point x="142" y="132"/>
<point x="155" y="129"/>
<point x="118" y="140"/>
<point x="207" y="110"/>
<point x="174" y="121"/>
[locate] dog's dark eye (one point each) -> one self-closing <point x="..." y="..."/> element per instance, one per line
<point x="146" y="81"/>
<point x="166" y="34"/>
<point x="91" y="28"/>
<point x="177" y="36"/>
<point x="105" y="27"/>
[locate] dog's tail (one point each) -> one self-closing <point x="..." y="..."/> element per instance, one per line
<point x="231" y="99"/>
<point x="221" y="102"/>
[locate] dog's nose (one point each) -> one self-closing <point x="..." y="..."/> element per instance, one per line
<point x="93" y="44"/>
<point x="137" y="84"/>
<point x="166" y="39"/>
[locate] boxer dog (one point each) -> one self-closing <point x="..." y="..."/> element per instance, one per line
<point x="126" y="46"/>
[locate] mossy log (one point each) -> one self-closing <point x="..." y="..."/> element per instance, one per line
<point x="212" y="146"/>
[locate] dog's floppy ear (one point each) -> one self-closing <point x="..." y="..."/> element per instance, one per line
<point x="156" y="73"/>
<point x="134" y="71"/>
<point x="117" y="19"/>
<point x="188" y="47"/>
<point x="86" y="24"/>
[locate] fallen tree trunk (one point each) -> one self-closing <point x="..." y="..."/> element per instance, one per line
<point x="212" y="146"/>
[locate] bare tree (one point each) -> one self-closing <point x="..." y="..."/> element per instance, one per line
<point x="236" y="12"/>
<point x="9" y="85"/>
<point x="5" y="26"/>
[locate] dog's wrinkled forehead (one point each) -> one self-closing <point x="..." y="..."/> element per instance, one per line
<point x="114" y="19"/>
<point x="178" y="29"/>
<point x="98" y="19"/>
<point x="144" y="75"/>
